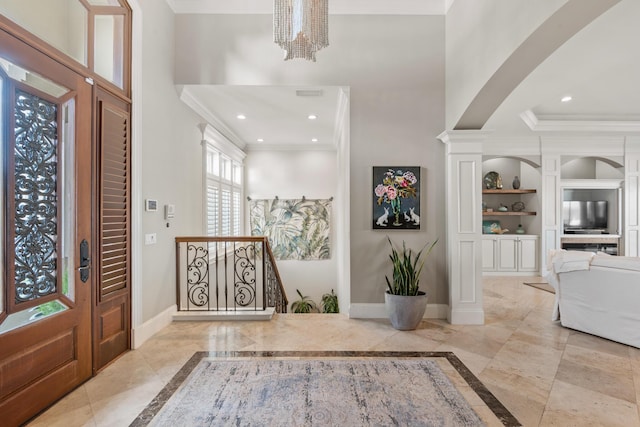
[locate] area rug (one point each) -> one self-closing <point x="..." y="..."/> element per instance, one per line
<point x="337" y="390"/>
<point x="541" y="285"/>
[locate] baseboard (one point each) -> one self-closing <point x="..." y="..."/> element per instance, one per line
<point x="467" y="317"/>
<point x="145" y="331"/>
<point x="511" y="273"/>
<point x="378" y="311"/>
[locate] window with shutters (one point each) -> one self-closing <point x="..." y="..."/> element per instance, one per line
<point x="223" y="193"/>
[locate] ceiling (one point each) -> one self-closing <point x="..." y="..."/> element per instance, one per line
<point x="275" y="116"/>
<point x="598" y="68"/>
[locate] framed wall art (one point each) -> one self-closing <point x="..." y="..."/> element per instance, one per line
<point x="396" y="197"/>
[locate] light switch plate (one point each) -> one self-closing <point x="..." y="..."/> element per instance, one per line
<point x="150" y="239"/>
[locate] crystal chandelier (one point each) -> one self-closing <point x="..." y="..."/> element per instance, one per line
<point x="300" y="27"/>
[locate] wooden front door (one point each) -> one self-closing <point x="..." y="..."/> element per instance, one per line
<point x="45" y="297"/>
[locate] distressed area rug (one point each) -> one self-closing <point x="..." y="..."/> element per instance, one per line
<point x="541" y="285"/>
<point x="339" y="389"/>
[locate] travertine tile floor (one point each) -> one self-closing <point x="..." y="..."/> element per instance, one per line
<point x="543" y="373"/>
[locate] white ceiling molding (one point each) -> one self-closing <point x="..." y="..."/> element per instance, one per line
<point x="189" y="99"/>
<point x="557" y="125"/>
<point x="290" y="147"/>
<point x="213" y="137"/>
<point x="336" y="7"/>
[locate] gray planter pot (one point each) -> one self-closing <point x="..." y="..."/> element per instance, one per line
<point x="405" y="312"/>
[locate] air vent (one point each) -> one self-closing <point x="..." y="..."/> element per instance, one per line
<point x="309" y="92"/>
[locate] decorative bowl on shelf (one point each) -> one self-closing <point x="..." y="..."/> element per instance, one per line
<point x="491" y="180"/>
<point x="517" y="207"/>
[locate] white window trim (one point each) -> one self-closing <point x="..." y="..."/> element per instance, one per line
<point x="212" y="139"/>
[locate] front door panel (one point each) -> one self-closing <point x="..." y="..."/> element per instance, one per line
<point x="45" y="311"/>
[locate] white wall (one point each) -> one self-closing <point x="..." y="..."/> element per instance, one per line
<point x="291" y="175"/>
<point x="480" y="36"/>
<point x="396" y="111"/>
<point x="170" y="162"/>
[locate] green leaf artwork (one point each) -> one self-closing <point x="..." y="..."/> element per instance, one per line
<point x="298" y="229"/>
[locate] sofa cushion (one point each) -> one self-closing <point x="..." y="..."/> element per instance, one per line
<point x="621" y="262"/>
<point x="566" y="261"/>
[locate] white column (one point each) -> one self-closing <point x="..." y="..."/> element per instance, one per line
<point x="551" y="214"/>
<point x="464" y="225"/>
<point x="632" y="197"/>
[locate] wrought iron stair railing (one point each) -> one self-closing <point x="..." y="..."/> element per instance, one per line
<point x="227" y="274"/>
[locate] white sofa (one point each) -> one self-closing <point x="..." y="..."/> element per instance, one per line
<point x="597" y="294"/>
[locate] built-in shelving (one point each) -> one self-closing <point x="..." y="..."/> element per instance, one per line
<point x="505" y="191"/>
<point x="508" y="213"/>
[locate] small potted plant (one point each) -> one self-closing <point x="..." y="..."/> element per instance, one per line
<point x="404" y="302"/>
<point x="304" y="304"/>
<point x="329" y="303"/>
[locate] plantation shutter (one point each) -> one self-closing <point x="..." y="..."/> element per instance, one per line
<point x="112" y="316"/>
<point x="236" y="212"/>
<point x="213" y="209"/>
<point x="115" y="200"/>
<point x="226" y="212"/>
<point x="222" y="193"/>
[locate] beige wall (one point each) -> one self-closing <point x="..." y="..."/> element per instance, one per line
<point x="170" y="161"/>
<point x="291" y="175"/>
<point x="394" y="66"/>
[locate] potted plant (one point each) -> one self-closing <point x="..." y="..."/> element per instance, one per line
<point x="304" y="304"/>
<point x="329" y="303"/>
<point x="404" y="302"/>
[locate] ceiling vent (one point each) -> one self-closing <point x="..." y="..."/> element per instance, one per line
<point x="309" y="92"/>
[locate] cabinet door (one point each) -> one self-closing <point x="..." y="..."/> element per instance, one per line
<point x="528" y="254"/>
<point x="507" y="254"/>
<point x="488" y="254"/>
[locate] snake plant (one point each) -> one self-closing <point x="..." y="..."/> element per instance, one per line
<point x="407" y="266"/>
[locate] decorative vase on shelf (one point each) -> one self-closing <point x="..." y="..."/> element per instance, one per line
<point x="499" y="183"/>
<point x="516" y="183"/>
<point x="520" y="230"/>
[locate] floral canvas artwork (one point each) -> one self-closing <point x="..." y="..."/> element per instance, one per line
<point x="298" y="229"/>
<point x="396" y="197"/>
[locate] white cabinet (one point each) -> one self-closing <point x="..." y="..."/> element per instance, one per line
<point x="488" y="254"/>
<point x="528" y="253"/>
<point x="510" y="253"/>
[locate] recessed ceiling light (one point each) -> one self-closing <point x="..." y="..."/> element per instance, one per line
<point x="260" y="139"/>
<point x="312" y="117"/>
<point x="566" y="98"/>
<point x="241" y="117"/>
<point x="314" y="139"/>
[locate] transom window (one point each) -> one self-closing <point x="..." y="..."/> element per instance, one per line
<point x="95" y="33"/>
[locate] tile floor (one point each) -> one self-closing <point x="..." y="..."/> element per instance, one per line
<point x="544" y="374"/>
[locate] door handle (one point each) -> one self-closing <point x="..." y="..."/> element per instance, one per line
<point x="85" y="260"/>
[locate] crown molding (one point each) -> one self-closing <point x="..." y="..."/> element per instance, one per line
<point x="186" y="96"/>
<point x="212" y="136"/>
<point x="289" y="147"/>
<point x="564" y="124"/>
